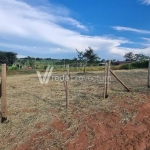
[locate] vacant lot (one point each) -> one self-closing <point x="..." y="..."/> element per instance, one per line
<point x="38" y="119"/>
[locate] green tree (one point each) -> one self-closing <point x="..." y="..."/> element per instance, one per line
<point x="87" y="57"/>
<point x="130" y="57"/>
<point x="21" y="62"/>
<point x="75" y="61"/>
<point x="90" y="56"/>
<point x="141" y="57"/>
<point x="3" y="58"/>
<point x="8" y="57"/>
<point x="32" y="62"/>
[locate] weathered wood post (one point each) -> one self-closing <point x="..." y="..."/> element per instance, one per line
<point x="3" y="94"/>
<point x="119" y="80"/>
<point x="66" y="86"/>
<point x="105" y="79"/>
<point x="149" y="74"/>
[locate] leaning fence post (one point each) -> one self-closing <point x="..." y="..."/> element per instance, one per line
<point x="3" y="94"/>
<point x="149" y="74"/>
<point x="119" y="80"/>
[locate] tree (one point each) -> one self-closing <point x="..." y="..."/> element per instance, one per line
<point x="3" y="58"/>
<point x="115" y="62"/>
<point x="38" y="59"/>
<point x="8" y="57"/>
<point x="141" y="57"/>
<point x="80" y="55"/>
<point x="90" y="56"/>
<point x="87" y="57"/>
<point x="103" y="61"/>
<point x="75" y="61"/>
<point x="32" y="62"/>
<point x="129" y="56"/>
<point x="21" y="62"/>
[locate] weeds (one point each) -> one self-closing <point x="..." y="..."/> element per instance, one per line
<point x="127" y="116"/>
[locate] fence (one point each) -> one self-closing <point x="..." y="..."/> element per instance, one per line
<point x="66" y="86"/>
<point x="33" y="107"/>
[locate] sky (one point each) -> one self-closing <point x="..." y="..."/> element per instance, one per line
<point x="56" y="28"/>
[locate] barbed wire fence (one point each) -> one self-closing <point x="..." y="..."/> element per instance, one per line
<point x="32" y="107"/>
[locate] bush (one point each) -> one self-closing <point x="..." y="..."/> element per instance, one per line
<point x="13" y="68"/>
<point x="134" y="65"/>
<point x="143" y="64"/>
<point x="45" y="67"/>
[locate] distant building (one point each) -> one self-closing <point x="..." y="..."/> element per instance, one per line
<point x="101" y="64"/>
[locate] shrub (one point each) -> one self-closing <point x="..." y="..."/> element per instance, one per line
<point x="134" y="65"/>
<point x="13" y="68"/>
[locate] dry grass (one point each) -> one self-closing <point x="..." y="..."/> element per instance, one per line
<point x="30" y="103"/>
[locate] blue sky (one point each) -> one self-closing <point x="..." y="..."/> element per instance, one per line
<point x="55" y="29"/>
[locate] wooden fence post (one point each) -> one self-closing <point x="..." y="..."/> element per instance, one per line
<point x="149" y="74"/>
<point x="119" y="80"/>
<point x="3" y="94"/>
<point x="105" y="79"/>
<point x="66" y="86"/>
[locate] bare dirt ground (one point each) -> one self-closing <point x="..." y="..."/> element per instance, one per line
<point x="38" y="119"/>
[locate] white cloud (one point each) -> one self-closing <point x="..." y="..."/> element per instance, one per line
<point x="144" y="50"/>
<point x="147" y="39"/>
<point x="21" y="56"/>
<point x="119" y="28"/>
<point x="24" y="22"/>
<point x="147" y="2"/>
<point x="123" y="50"/>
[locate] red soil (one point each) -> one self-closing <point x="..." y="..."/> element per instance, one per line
<point x="102" y="131"/>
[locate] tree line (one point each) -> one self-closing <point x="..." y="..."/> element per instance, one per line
<point x="84" y="58"/>
<point x="131" y="57"/>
